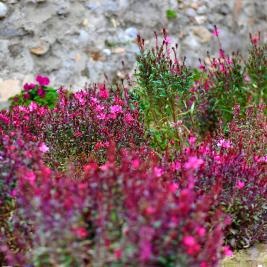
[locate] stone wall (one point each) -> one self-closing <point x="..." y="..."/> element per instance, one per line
<point x="77" y="41"/>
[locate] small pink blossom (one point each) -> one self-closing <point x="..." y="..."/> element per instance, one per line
<point x="216" y="31"/>
<point x="42" y="80"/>
<point x="202" y="67"/>
<point x="41" y="92"/>
<point x="193" y="163"/>
<point x="29" y="86"/>
<point x="116" y="109"/>
<point x="224" y="143"/>
<point x="201" y="231"/>
<point x="30" y="177"/>
<point x="103" y="92"/>
<point x="129" y="118"/>
<point x="33" y="106"/>
<point x="26" y="96"/>
<point x="227" y="251"/>
<point x="221" y="53"/>
<point x="118" y="253"/>
<point x="192" y="140"/>
<point x="173" y="187"/>
<point x="101" y="116"/>
<point x="43" y="148"/>
<point x="80" y="232"/>
<point x="240" y="184"/>
<point x="167" y="40"/>
<point x="189" y="241"/>
<point x="158" y="171"/>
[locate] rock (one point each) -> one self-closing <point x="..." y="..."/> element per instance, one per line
<point x="202" y="10"/>
<point x="63" y="10"/>
<point x="190" y="12"/>
<point x="131" y="33"/>
<point x="3" y="10"/>
<point x="41" y="49"/>
<point x="200" y="19"/>
<point x="203" y="33"/>
<point x="9" y="88"/>
<point x="83" y="37"/>
<point x="107" y="52"/>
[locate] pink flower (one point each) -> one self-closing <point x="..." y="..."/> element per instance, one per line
<point x="118" y="253"/>
<point x="167" y="40"/>
<point x="29" y="86"/>
<point x="129" y="118"/>
<point x="135" y="163"/>
<point x="158" y="171"/>
<point x="43" y="81"/>
<point x="201" y="231"/>
<point x="192" y="140"/>
<point x="33" y="106"/>
<point x="173" y="187"/>
<point x="30" y="177"/>
<point x="189" y="241"/>
<point x="103" y="91"/>
<point x="150" y="210"/>
<point x="4" y="119"/>
<point x="227" y="251"/>
<point x="224" y="143"/>
<point x="43" y="148"/>
<point x="41" y="92"/>
<point x="26" y="96"/>
<point x="192" y="246"/>
<point x="116" y="109"/>
<point x="193" y="163"/>
<point x="101" y="116"/>
<point x="202" y="67"/>
<point x="221" y="53"/>
<point x="216" y="31"/>
<point x="80" y="232"/>
<point x="240" y="184"/>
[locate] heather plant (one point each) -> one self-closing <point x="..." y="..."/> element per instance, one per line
<point x="238" y="184"/>
<point x="80" y="126"/>
<point x="39" y="93"/>
<point x="133" y="213"/>
<point x="231" y="81"/>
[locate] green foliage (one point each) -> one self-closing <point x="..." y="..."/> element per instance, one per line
<point x="162" y="91"/>
<point x="171" y="14"/>
<point x="24" y="98"/>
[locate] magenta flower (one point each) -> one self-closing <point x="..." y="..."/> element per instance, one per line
<point x="224" y="143"/>
<point x="43" y="148"/>
<point x="29" y="86"/>
<point x="193" y="163"/>
<point x="216" y="31"/>
<point x="43" y="81"/>
<point x="116" y="109"/>
<point x="227" y="251"/>
<point x="167" y="40"/>
<point x="30" y="177"/>
<point x="240" y="184"/>
<point x="26" y="96"/>
<point x="80" y="232"/>
<point x="41" y="92"/>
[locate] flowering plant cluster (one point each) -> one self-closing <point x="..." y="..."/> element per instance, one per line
<point x="176" y="99"/>
<point x="169" y="173"/>
<point x="39" y="93"/>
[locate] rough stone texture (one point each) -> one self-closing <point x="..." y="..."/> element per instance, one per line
<point x="78" y="41"/>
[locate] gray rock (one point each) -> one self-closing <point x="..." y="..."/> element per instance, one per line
<point x="131" y="33"/>
<point x="3" y="10"/>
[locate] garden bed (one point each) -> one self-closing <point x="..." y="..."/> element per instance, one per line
<point x="167" y="169"/>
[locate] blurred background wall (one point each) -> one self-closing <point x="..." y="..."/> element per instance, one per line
<point x="77" y="41"/>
